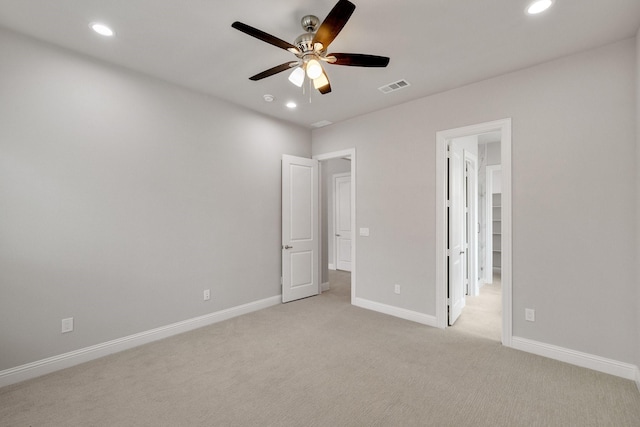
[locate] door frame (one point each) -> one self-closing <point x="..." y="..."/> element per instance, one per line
<point x="351" y="153"/>
<point x="442" y="139"/>
<point x="334" y="177"/>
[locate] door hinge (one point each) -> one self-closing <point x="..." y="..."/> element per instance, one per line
<point x="280" y="280"/>
<point x="448" y="252"/>
<point x="449" y="301"/>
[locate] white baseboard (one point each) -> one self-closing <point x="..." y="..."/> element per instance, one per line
<point x="66" y="360"/>
<point x="585" y="360"/>
<point x="332" y="267"/>
<point x="402" y="313"/>
<point x="325" y="287"/>
<point x="638" y="377"/>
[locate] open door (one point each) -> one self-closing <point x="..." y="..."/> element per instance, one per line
<point x="472" y="224"/>
<point x="342" y="220"/>
<point x="457" y="230"/>
<point x="300" y="228"/>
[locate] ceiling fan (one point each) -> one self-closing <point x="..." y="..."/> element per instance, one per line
<point x="310" y="48"/>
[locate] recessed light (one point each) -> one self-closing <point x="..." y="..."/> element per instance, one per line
<point x="291" y="105"/>
<point x="539" y="6"/>
<point x="101" y="29"/>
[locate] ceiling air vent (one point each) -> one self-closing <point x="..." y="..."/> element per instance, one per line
<point x="321" y="123"/>
<point x="391" y="87"/>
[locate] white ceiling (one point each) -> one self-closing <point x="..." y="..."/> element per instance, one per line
<point x="434" y="44"/>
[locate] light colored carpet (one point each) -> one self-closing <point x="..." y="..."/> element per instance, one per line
<point x="482" y="315"/>
<point x="322" y="362"/>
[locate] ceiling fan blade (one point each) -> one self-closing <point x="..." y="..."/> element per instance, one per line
<point x="325" y="89"/>
<point x="265" y="37"/>
<point x="322" y="83"/>
<point x="275" y="70"/>
<point x="358" y="60"/>
<point x="334" y="22"/>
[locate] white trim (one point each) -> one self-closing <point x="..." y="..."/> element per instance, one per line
<point x="441" y="234"/>
<point x="506" y="249"/>
<point x="76" y="357"/>
<point x="325" y="286"/>
<point x="332" y="267"/>
<point x="351" y="153"/>
<point x="638" y="377"/>
<point x="585" y="360"/>
<point x="504" y="126"/>
<point x="402" y="313"/>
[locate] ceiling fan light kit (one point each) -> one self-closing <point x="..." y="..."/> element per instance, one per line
<point x="297" y="76"/>
<point x="314" y="69"/>
<point x="310" y="48"/>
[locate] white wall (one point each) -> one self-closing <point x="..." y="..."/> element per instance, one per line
<point x="123" y="198"/>
<point x="493" y="153"/>
<point x="638" y="198"/>
<point x="574" y="170"/>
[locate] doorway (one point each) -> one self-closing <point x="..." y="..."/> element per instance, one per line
<point x="447" y="297"/>
<point x="339" y="164"/>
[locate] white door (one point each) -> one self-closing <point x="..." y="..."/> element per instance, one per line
<point x="472" y="228"/>
<point x="300" y="242"/>
<point x="457" y="231"/>
<point x="342" y="220"/>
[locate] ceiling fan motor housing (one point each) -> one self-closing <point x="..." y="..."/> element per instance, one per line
<point x="310" y="23"/>
<point x="304" y="42"/>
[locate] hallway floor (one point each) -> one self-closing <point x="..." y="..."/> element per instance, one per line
<point x="482" y="315"/>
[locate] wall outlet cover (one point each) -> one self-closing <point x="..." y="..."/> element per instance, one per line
<point x="529" y="314"/>
<point x="67" y="325"/>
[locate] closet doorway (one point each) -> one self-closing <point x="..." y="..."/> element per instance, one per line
<point x="473" y="232"/>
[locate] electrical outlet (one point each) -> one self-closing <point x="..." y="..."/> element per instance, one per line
<point x="207" y="294"/>
<point x="67" y="325"/>
<point x="396" y="289"/>
<point x="529" y="314"/>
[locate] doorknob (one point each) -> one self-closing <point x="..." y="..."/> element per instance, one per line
<point x="288" y="247"/>
<point x="337" y="235"/>
<point x="461" y="252"/>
